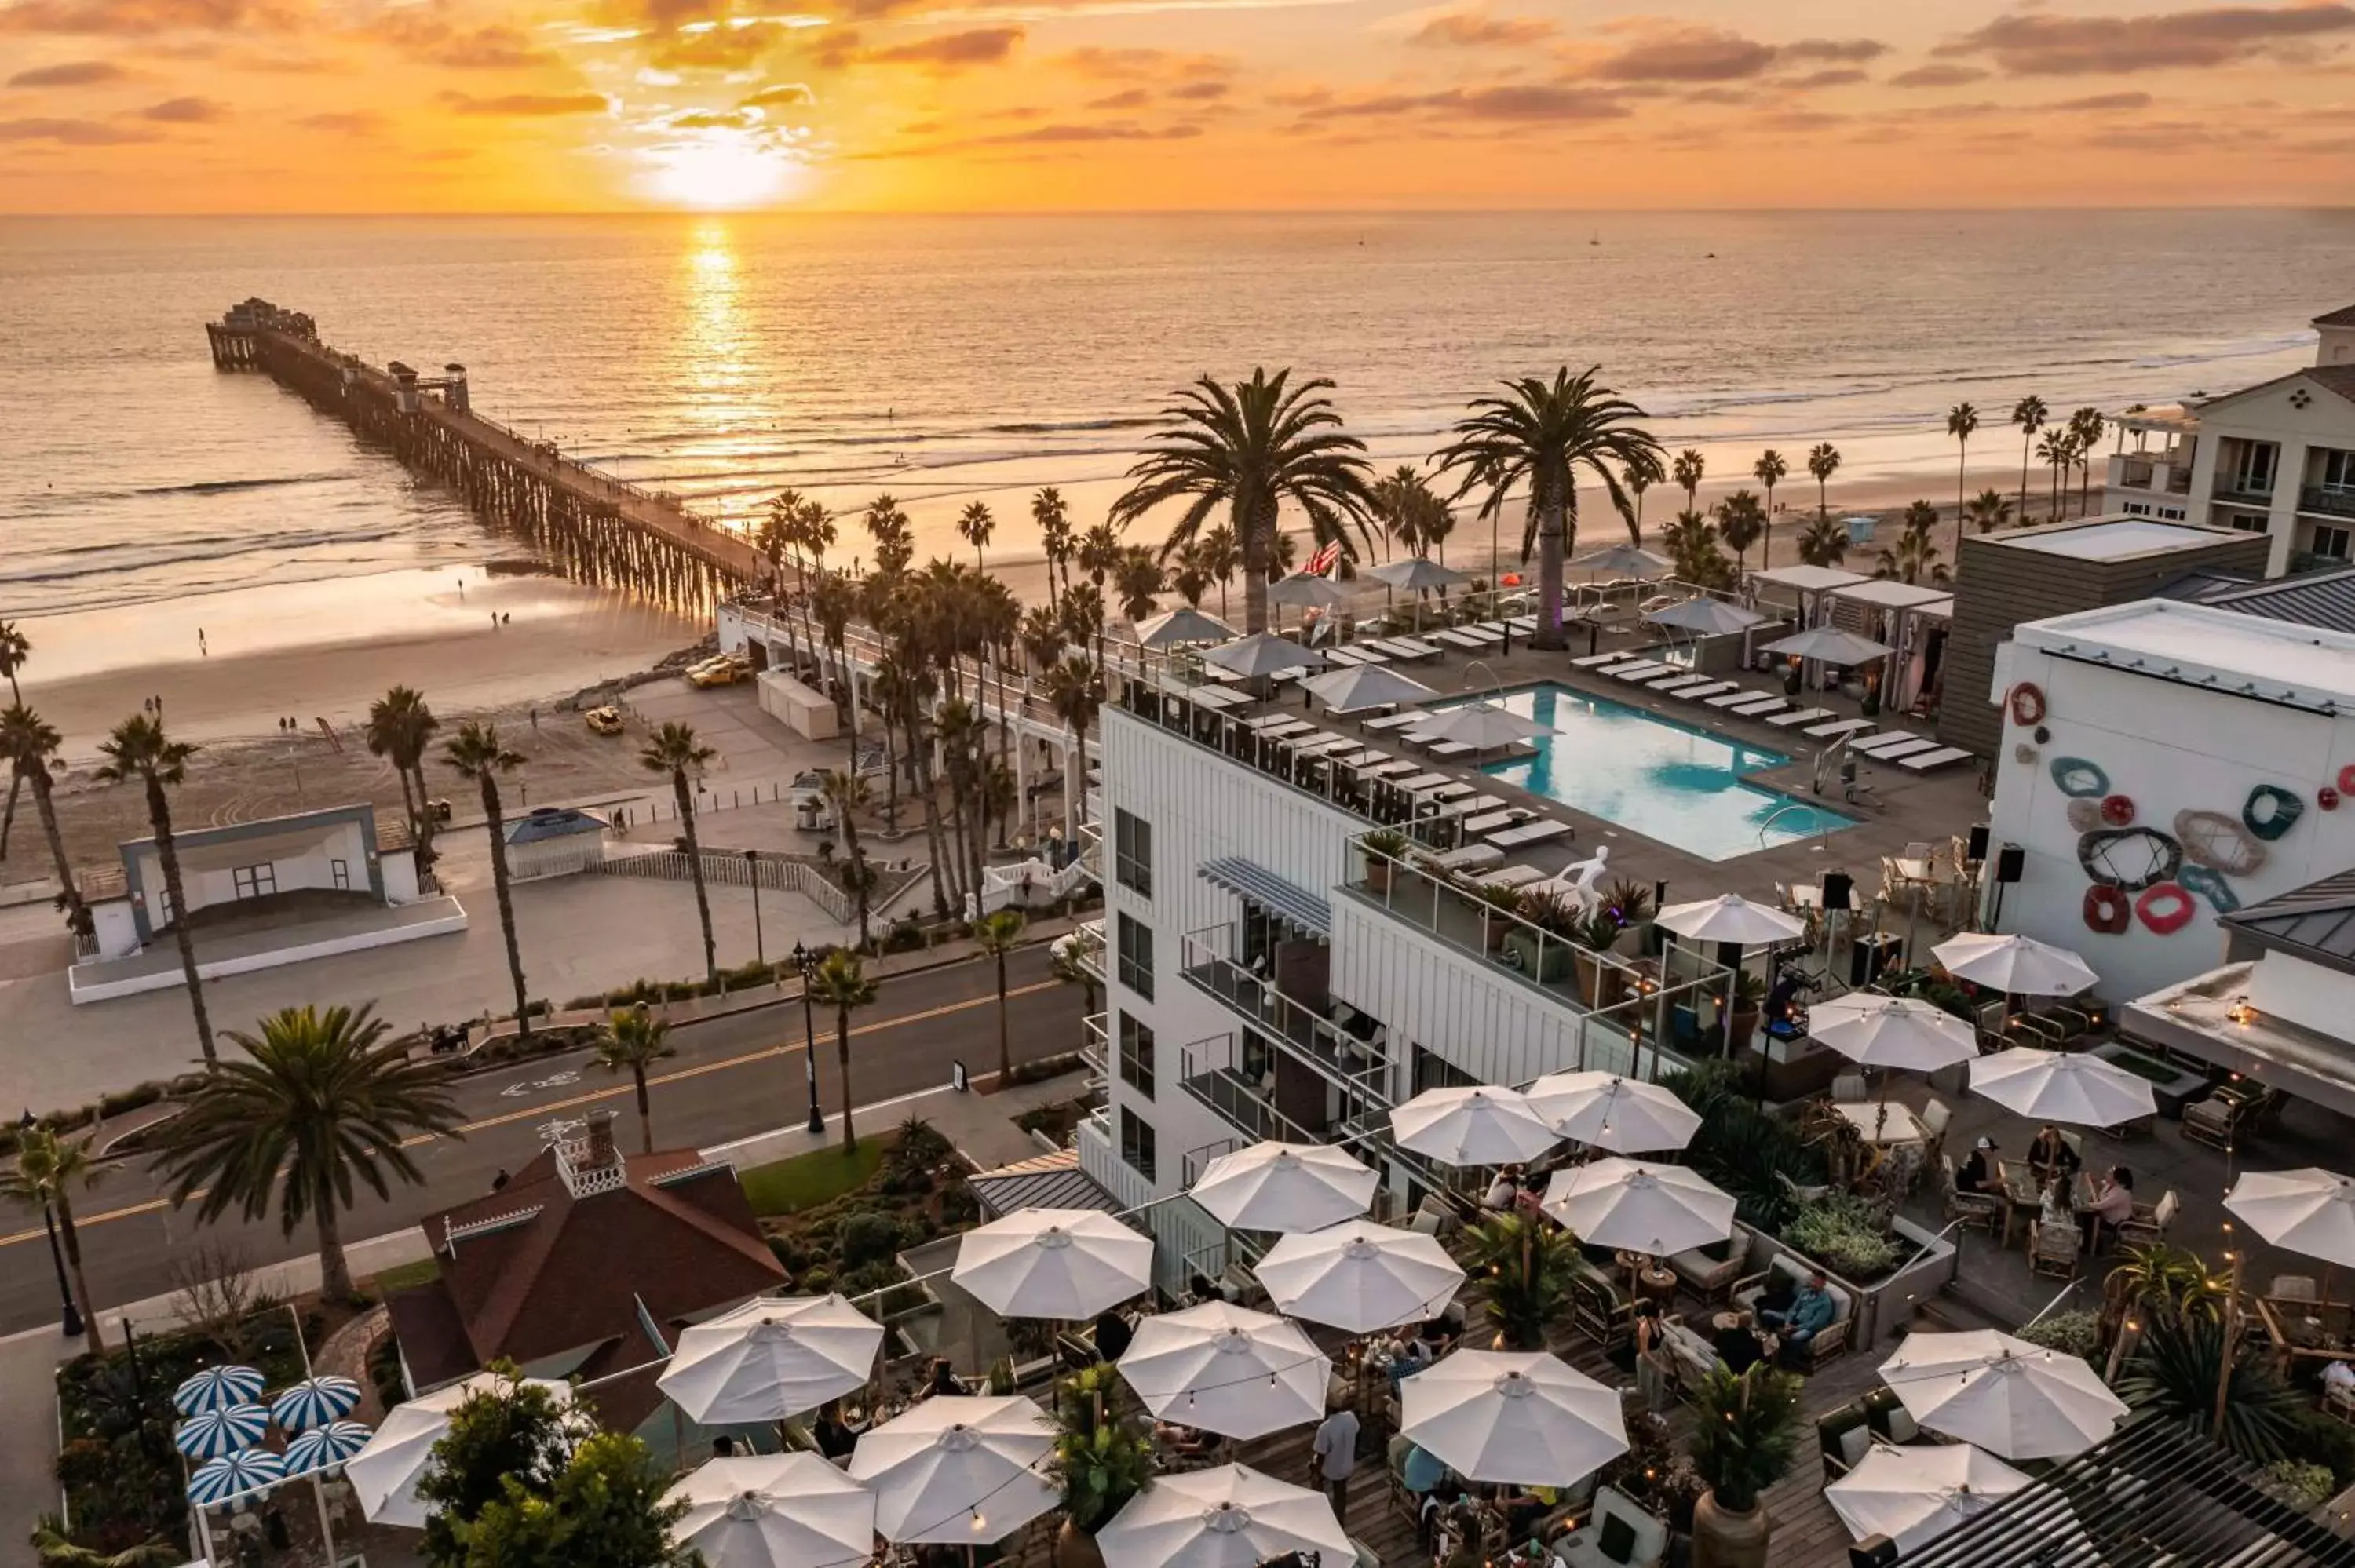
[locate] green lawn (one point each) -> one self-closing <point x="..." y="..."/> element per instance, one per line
<point x="789" y="1186"/>
<point x="408" y="1275"/>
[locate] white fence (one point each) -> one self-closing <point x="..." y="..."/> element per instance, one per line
<point x="777" y="874"/>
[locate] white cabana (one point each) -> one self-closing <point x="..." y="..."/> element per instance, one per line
<point x="959" y="1470"/>
<point x="771" y="1358"/>
<point x="1513" y="1418"/>
<point x="1054" y="1263"/>
<point x="1276" y="1186"/>
<point x="1227" y="1369"/>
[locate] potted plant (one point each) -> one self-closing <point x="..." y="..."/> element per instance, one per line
<point x="1104" y="1456"/>
<point x="1526" y="1267"/>
<point x="1382" y="847"/>
<point x="1601" y="983"/>
<point x="1543" y="960"/>
<point x="1745" y="1436"/>
<point x="1501" y="900"/>
<point x="1749" y="1000"/>
<point x="1631" y="906"/>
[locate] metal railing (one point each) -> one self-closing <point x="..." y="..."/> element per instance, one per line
<point x="2329" y="500"/>
<point x="1359" y="1068"/>
<point x="1087" y="948"/>
<point x="1095" y="1051"/>
<point x="1217" y="1073"/>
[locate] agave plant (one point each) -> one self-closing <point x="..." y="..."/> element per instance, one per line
<point x="2175" y="1373"/>
<point x="2164" y="1281"/>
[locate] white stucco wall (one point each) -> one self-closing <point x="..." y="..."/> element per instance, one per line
<point x="2304" y="994"/>
<point x="313" y="867"/>
<point x="116" y="930"/>
<point x="2295" y="415"/>
<point x="399" y="871"/>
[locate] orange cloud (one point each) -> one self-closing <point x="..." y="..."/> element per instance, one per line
<point x="134" y="18"/>
<point x="73" y="73"/>
<point x="1477" y="30"/>
<point x="529" y="105"/>
<point x="950" y="51"/>
<point x="71" y="133"/>
<point x="185" y="111"/>
<point x="2033" y="44"/>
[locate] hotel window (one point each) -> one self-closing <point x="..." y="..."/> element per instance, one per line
<point x="1136" y="956"/>
<point x="2253" y="474"/>
<point x="341" y="872"/>
<point x="255" y="880"/>
<point x="1137" y="1055"/>
<point x="1133" y="852"/>
<point x="2330" y="542"/>
<point x="1137" y="1144"/>
<point x="2339" y="471"/>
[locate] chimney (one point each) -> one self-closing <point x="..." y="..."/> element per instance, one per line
<point x="603" y="1155"/>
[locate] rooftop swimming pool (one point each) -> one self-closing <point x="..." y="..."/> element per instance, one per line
<point x="1669" y="781"/>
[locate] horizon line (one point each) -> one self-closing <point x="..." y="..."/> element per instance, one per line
<point x="2318" y="208"/>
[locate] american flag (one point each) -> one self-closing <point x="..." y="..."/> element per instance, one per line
<point x="1323" y="560"/>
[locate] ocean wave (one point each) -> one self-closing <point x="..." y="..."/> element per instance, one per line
<point x="150" y="557"/>
<point x="224" y="486"/>
<point x="1053" y="427"/>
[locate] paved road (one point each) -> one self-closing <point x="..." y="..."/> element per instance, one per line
<point x="732" y="1077"/>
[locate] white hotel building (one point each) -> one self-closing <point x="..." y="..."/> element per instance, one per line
<point x="1259" y="983"/>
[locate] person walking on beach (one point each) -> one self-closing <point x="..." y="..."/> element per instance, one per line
<point x="201" y="650"/>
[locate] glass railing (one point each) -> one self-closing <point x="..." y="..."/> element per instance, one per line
<point x="2327" y="499"/>
<point x="1237" y="1086"/>
<point x="1359" y="1067"/>
<point x="1095" y="1043"/>
<point x="1087" y="948"/>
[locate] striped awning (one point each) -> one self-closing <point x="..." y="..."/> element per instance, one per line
<point x="1253" y="882"/>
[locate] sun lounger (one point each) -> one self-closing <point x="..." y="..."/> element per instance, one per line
<point x="1758" y="707"/>
<point x="1487" y="636"/>
<point x="1802" y="715"/>
<point x="1451" y="793"/>
<point x="1266" y="722"/>
<point x="1489" y="822"/>
<point x="1457" y="637"/>
<point x="1398" y="721"/>
<point x="1468" y="858"/>
<point x="1597" y="661"/>
<point x="1888" y="740"/>
<point x="1288" y="729"/>
<point x="1347" y="658"/>
<point x="1512" y="877"/>
<point x="1922" y="762"/>
<point x="1912" y="745"/>
<point x="1524" y="623"/>
<point x="1216" y="698"/>
<point x="1677" y="681"/>
<point x="1640" y="669"/>
<point x="1448" y="750"/>
<point x="1706" y="689"/>
<point x="1735" y="698"/>
<point x="1407" y="648"/>
<point x="1325" y="745"/>
<point x="1390" y="769"/>
<point x="1479" y="804"/>
<point x="1422" y="781"/>
<point x="1544" y="828"/>
<point x="1839" y="727"/>
<point x="1365" y="758"/>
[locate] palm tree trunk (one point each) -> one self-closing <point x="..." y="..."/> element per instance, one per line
<point x="1766" y="536"/>
<point x="2026" y="436"/>
<point x="8" y="818"/>
<point x="2084" y="502"/>
<point x="842" y="1057"/>
<point x="408" y="799"/>
<point x="335" y="1272"/>
<point x="890" y="778"/>
<point x="496" y="826"/>
<point x="159" y="813"/>
<point x="1255" y="547"/>
<point x="425" y="823"/>
<point x="69" y="1239"/>
<point x="1004" y="1041"/>
<point x="684" y="797"/>
<point x="76" y="912"/>
<point x="919" y="757"/>
<point x="1550" y="551"/>
<point x="645" y="1110"/>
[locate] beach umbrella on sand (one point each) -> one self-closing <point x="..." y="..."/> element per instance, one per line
<point x="314" y="1402"/>
<point x="385" y="1474"/>
<point x="1275" y="1186"/>
<point x="1622" y="561"/>
<point x="1261" y="654"/>
<point x="2308" y="1211"/>
<point x="2016" y="1400"/>
<point x="217" y="1388"/>
<point x="1603" y="1110"/>
<point x="1829" y="645"/>
<point x="2062" y="1085"/>
<point x="1360" y="1277"/>
<point x="774" y="1510"/>
<point x="1706" y="617"/>
<point x="1182" y="625"/>
<point x="1914" y="1495"/>
<point x="1730" y="917"/>
<point x="957" y="1470"/>
<point x="1483" y="727"/>
<point x="234" y="1476"/>
<point x="210" y="1434"/>
<point x="324" y="1447"/>
<point x="1365" y="687"/>
<point x="1523" y="1419"/>
<point x="1901" y="1032"/>
<point x="1479" y="1123"/>
<point x="2015" y="965"/>
<point x="1054" y="1263"/>
<point x="771" y="1358"/>
<point x="1636" y="1207"/>
<point x="1228" y="1370"/>
<point x="1228" y="1517"/>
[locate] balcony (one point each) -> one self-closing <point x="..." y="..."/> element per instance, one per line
<point x="1236" y="1083"/>
<point x="1090" y="837"/>
<point x="1087" y="948"/>
<point x="2327" y="501"/>
<point x="1359" y="1068"/>
<point x="1095" y="1048"/>
<point x="2246" y="491"/>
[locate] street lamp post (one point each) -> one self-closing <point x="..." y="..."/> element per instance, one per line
<point x="806" y="963"/>
<point x="753" y="871"/>
<point x="70" y="1315"/>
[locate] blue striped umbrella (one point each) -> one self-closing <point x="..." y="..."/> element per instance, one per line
<point x="217" y="1388"/>
<point x="323" y="1447"/>
<point x="234" y="1474"/>
<point x="315" y="1403"/>
<point x="218" y="1431"/>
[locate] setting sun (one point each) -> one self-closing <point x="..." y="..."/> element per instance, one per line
<point x="722" y="171"/>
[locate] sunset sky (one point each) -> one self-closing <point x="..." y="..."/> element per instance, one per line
<point x="597" y="105"/>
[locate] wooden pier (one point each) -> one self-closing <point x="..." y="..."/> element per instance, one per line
<point x="590" y="525"/>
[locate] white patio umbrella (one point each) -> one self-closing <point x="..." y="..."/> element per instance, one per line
<point x="771" y="1358"/>
<point x="1227" y="1369"/>
<point x="384" y="1475"/>
<point x="1308" y="590"/>
<point x="1830" y="645"/>
<point x="1900" y="1031"/>
<point x="1263" y="654"/>
<point x="1914" y="1495"/>
<point x="1519" y="1418"/>
<point x="1181" y="626"/>
<point x="1228" y="1517"/>
<point x="1360" y="1277"/>
<point x="2015" y="965"/>
<point x="1603" y="1110"/>
<point x="1730" y="917"/>
<point x="1708" y="617"/>
<point x="1478" y="1124"/>
<point x="1417" y="572"/>
<point x="774" y="1510"/>
<point x="957" y="1470"/>
<point x="1482" y="726"/>
<point x="1054" y="1263"/>
<point x="2309" y="1211"/>
<point x="1622" y="561"/>
<point x="1635" y="1207"/>
<point x="1276" y="1186"/>
<point x="2016" y="1400"/>
<point x="2062" y="1085"/>
<point x="1362" y="686"/>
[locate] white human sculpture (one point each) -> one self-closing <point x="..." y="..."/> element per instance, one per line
<point x="1576" y="882"/>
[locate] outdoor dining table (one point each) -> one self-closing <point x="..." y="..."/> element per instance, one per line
<point x="2020" y="1192"/>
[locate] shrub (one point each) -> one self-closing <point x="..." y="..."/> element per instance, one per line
<point x="2326" y="1441"/>
<point x="2071" y="1333"/>
<point x="2298" y="1485"/>
<point x="130" y="1099"/>
<point x="1843" y="1233"/>
<point x="864" y="1238"/>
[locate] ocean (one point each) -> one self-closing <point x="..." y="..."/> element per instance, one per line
<point x="949" y="359"/>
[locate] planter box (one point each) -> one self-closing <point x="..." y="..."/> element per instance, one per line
<point x="1557" y="959"/>
<point x="1886" y="1305"/>
<point x="1795" y="1069"/>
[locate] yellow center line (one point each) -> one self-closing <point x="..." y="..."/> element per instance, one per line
<point x="765" y="1053"/>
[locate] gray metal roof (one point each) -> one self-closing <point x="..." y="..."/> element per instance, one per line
<point x="2316" y="922"/>
<point x="1050" y="1181"/>
<point x="552" y="822"/>
<point x="2324" y="598"/>
<point x="1251" y="881"/>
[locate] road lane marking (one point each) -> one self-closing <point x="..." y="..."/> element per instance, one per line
<point x="766" y="1052"/>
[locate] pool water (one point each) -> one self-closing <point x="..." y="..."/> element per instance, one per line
<point x="1669" y="781"/>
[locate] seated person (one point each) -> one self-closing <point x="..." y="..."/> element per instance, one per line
<point x="1503" y="1189"/>
<point x="1979" y="1173"/>
<point x="1735" y="1344"/>
<point x="1522" y="1506"/>
<point x="1447" y="1521"/>
<point x="1202" y="1290"/>
<point x="1406" y="1360"/>
<point x="943" y="1379"/>
<point x="1419" y="1473"/>
<point x="1531" y="1204"/>
<point x="2050" y="1155"/>
<point x="834" y="1439"/>
<point x="1436" y="1339"/>
<point x="2114" y="1201"/>
<point x="1809" y="1314"/>
<point x="1190" y="1442"/>
<point x="1111" y="1335"/>
<point x="2052" y="1203"/>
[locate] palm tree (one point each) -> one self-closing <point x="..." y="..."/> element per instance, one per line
<point x="140" y="750"/>
<point x="895" y="543"/>
<point x="1739" y="522"/>
<point x="1099" y="552"/>
<point x="1962" y="423"/>
<point x="1054" y="521"/>
<point x="55" y="1549"/>
<point x="847" y="794"/>
<point x="2086" y="428"/>
<point x="1075" y="690"/>
<point x="1542" y="434"/>
<point x="632" y="1041"/>
<point x="1221" y="557"/>
<point x="1251" y="447"/>
<point x="1137" y="579"/>
<point x="1189" y="578"/>
<point x="841" y="983"/>
<point x="2058" y="451"/>
<point x="1407" y="508"/>
<point x="1770" y="471"/>
<point x="997" y="934"/>
<point x="1823" y="461"/>
<point x="478" y="753"/>
<point x="1691" y="543"/>
<point x="835" y="601"/>
<point x="399" y="728"/>
<point x="26" y="743"/>
<point x="320" y="1099"/>
<point x="1688" y="471"/>
<point x="1823" y="543"/>
<point x="1638" y="477"/>
<point x="1914" y="559"/>
<point x="2029" y="415"/>
<point x="976" y="525"/>
<point x="15" y="649"/>
<point x="1989" y="511"/>
<point x="673" y="749"/>
<point x="47" y="1171"/>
